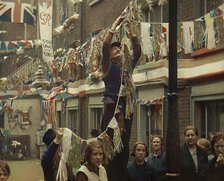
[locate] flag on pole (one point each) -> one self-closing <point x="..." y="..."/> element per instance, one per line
<point x="17" y="12"/>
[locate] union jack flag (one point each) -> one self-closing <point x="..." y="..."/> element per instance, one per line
<point x="17" y="12"/>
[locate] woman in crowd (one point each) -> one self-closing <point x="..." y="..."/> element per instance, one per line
<point x="139" y="170"/>
<point x="157" y="158"/>
<point x="193" y="159"/>
<point x="205" y="145"/>
<point x="4" y="171"/>
<point x="92" y="168"/>
<point x="215" y="170"/>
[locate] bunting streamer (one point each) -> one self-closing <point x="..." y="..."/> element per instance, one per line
<point x="199" y="32"/>
<point x="219" y="22"/>
<point x="188" y="38"/>
<point x="148" y="102"/>
<point x="210" y="32"/>
<point x="14" y="45"/>
<point x="73" y="148"/>
<point x="146" y="42"/>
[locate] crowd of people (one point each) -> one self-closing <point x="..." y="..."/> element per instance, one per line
<point x="147" y="165"/>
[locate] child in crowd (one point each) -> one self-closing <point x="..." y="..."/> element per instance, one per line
<point x="4" y="171"/>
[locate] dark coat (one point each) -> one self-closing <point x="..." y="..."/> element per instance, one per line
<point x="48" y="164"/>
<point x="187" y="166"/>
<point x="141" y="172"/>
<point x="215" y="173"/>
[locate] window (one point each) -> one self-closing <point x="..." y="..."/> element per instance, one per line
<point x="155" y="113"/>
<point x="156" y="15"/>
<point x="201" y="7"/>
<point x="73" y="121"/>
<point x="212" y="117"/>
<point x="153" y="15"/>
<point x="151" y="121"/>
<point x="96" y="114"/>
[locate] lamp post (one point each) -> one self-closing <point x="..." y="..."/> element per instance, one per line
<point x="172" y="141"/>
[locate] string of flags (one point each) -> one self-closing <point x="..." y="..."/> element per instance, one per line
<point x="207" y="31"/>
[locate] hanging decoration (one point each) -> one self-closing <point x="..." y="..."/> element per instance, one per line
<point x="219" y="22"/>
<point x="94" y="56"/>
<point x="68" y="25"/>
<point x="24" y="118"/>
<point x="148" y="102"/>
<point x="18" y="117"/>
<point x="209" y="32"/>
<point x="204" y="32"/>
<point x="188" y="38"/>
<point x="14" y="45"/>
<point x="40" y="81"/>
<point x="49" y="111"/>
<point x="72" y="64"/>
<point x="73" y="148"/>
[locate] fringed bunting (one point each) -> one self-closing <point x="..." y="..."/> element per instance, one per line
<point x="188" y="38"/>
<point x="73" y="65"/>
<point x="209" y="32"/>
<point x="66" y="147"/>
<point x="199" y="31"/>
<point x="95" y="55"/>
<point x="219" y="23"/>
<point x="49" y="111"/>
<point x="151" y="101"/>
<point x="73" y="148"/>
<point x="146" y="40"/>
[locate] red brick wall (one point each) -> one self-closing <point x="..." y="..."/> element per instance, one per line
<point x="183" y="110"/>
<point x="102" y="14"/>
<point x="185" y="10"/>
<point x="83" y="112"/>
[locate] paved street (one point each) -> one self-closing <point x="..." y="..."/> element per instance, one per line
<point x="26" y="170"/>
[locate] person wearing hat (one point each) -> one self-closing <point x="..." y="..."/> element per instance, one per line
<point x="52" y="139"/>
<point x="117" y="74"/>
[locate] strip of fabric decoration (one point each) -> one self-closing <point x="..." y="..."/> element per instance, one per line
<point x="66" y="147"/>
<point x="199" y="30"/>
<point x="73" y="146"/>
<point x="210" y="32"/>
<point x="147" y="48"/>
<point x="219" y="22"/>
<point x="94" y="56"/>
<point x="188" y="38"/>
